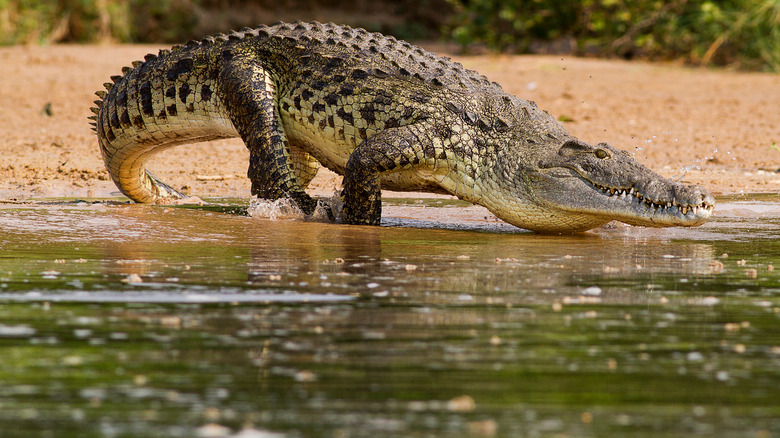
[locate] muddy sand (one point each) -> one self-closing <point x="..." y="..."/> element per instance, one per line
<point x="717" y="128"/>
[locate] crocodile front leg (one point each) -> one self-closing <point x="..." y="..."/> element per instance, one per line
<point x="249" y="93"/>
<point x="390" y="150"/>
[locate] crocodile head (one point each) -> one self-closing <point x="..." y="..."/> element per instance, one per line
<point x="597" y="184"/>
<point x="575" y="186"/>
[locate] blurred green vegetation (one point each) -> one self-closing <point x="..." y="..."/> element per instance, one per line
<point x="740" y="33"/>
<point x="44" y="21"/>
<point x="147" y="21"/>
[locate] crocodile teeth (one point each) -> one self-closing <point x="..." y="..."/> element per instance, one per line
<point x="665" y="207"/>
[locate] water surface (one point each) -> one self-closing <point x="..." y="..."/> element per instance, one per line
<point x="129" y="320"/>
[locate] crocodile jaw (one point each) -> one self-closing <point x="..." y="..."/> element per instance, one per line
<point x="656" y="202"/>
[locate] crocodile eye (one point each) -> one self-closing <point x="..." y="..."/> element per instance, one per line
<point x="601" y="153"/>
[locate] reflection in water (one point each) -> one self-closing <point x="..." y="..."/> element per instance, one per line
<point x="298" y="248"/>
<point x="313" y="329"/>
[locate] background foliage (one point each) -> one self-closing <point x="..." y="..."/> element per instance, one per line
<point x="50" y="21"/>
<point x="742" y="33"/>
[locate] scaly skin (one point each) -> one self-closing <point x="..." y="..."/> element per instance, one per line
<point x="382" y="113"/>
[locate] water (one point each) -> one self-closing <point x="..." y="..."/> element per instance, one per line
<point x="127" y="320"/>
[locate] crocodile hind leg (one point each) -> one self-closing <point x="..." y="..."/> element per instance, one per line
<point x="390" y="150"/>
<point x="249" y="93"/>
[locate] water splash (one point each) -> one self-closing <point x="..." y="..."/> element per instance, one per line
<point x="684" y="171"/>
<point x="280" y="209"/>
<point x="328" y="209"/>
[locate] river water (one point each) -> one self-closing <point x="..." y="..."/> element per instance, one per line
<point x="127" y="320"/>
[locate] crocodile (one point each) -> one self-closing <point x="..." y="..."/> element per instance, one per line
<point x="382" y="113"/>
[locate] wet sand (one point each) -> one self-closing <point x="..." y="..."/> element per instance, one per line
<point x="710" y="127"/>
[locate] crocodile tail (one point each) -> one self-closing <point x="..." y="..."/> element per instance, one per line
<point x="166" y="100"/>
